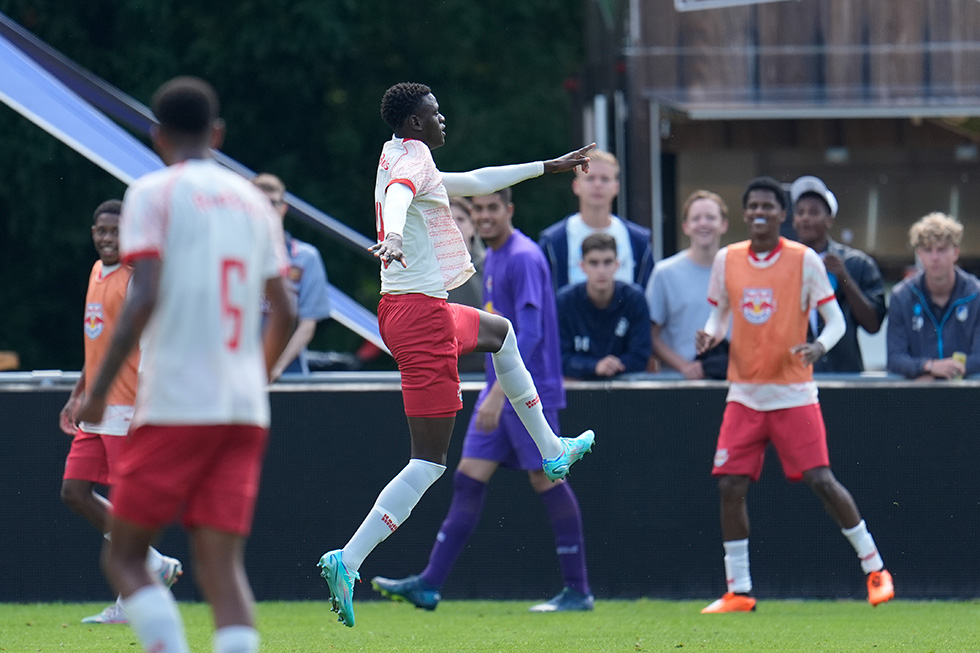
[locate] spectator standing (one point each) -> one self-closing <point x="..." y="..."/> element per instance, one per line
<point x="562" y="242"/>
<point x="204" y="244"/>
<point x="678" y="290"/>
<point x="95" y="447"/>
<point x="308" y="280"/>
<point x="767" y="285"/>
<point x="854" y="276"/>
<point x="934" y="317"/>
<point x="518" y="286"/>
<point x="604" y="323"/>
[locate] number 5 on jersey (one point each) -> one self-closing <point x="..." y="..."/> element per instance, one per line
<point x="232" y="273"/>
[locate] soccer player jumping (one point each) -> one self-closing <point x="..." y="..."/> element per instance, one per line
<point x="423" y="256"/>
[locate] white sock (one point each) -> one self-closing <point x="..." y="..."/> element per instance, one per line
<point x="154" y="559"/>
<point x="153" y="615"/>
<point x="737" y="566"/>
<point x="391" y="509"/>
<point x="864" y="546"/>
<point x="154" y="562"/>
<point x="517" y="384"/>
<point x="236" y="639"/>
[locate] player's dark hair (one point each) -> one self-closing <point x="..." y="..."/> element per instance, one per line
<point x="598" y="242"/>
<point x="816" y="195"/>
<point x="113" y="207"/>
<point x="766" y="183"/>
<point x="400" y="101"/>
<point x="506" y="195"/>
<point x="186" y="105"/>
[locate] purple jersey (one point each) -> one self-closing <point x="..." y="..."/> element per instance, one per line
<point x="515" y="278"/>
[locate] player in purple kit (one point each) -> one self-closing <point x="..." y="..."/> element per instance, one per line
<point x="517" y="285"/>
<point x="423" y="256"/>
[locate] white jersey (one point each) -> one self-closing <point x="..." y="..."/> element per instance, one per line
<point x="435" y="253"/>
<point x="219" y="241"/>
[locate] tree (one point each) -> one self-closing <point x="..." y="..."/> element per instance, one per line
<point x="301" y="84"/>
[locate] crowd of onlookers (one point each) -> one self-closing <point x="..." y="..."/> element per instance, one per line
<point x="620" y="313"/>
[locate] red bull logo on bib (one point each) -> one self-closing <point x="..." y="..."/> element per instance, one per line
<point x="93" y="321"/>
<point x="758" y="305"/>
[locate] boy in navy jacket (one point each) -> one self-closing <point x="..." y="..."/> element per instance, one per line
<point x="604" y="323"/>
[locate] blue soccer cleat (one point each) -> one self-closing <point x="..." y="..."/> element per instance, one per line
<point x="572" y="451"/>
<point x="411" y="590"/>
<point x="567" y="600"/>
<point x="340" y="582"/>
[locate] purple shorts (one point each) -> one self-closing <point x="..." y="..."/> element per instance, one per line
<point x="509" y="444"/>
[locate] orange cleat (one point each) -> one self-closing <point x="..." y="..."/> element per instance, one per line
<point x="732" y="602"/>
<point x="880" y="587"/>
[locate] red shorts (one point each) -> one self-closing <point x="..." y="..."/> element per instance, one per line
<point x="427" y="336"/>
<point x="211" y="473"/>
<point x="93" y="457"/>
<point x="797" y="433"/>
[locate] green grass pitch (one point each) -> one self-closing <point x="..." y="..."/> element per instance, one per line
<point x="497" y="626"/>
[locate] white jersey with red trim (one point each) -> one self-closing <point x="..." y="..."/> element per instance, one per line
<point x="435" y="254"/>
<point x="219" y="240"/>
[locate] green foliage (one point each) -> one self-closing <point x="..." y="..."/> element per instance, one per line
<point x="47" y="195"/>
<point x="492" y="626"/>
<point x="301" y="84"/>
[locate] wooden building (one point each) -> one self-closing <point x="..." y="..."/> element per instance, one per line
<point x="877" y="97"/>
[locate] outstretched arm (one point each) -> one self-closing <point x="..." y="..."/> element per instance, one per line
<point x="484" y="181"/>
<point x="570" y="161"/>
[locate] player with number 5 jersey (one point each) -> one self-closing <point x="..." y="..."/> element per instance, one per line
<point x="221" y="240"/>
<point x="205" y="246"/>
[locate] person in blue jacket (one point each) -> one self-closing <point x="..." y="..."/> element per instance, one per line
<point x="934" y="316"/>
<point x="308" y="281"/>
<point x="604" y="324"/>
<point x="562" y="242"/>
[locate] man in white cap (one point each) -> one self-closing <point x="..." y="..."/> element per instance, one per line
<point x="854" y="275"/>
